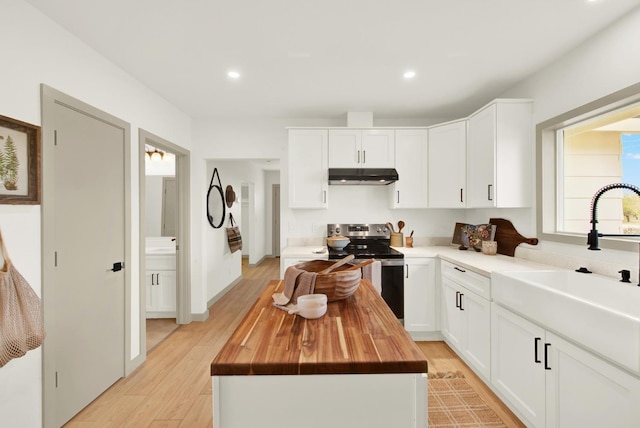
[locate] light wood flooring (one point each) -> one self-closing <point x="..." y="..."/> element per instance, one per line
<point x="173" y="387"/>
<point x="158" y="329"/>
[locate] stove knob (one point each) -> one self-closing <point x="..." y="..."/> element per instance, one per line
<point x="337" y="230"/>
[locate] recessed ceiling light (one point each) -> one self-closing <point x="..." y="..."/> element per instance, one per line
<point x="233" y="75"/>
<point x="409" y="74"/>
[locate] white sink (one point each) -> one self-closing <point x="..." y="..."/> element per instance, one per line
<point x="597" y="312"/>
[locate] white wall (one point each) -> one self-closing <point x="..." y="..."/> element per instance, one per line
<point x="38" y="51"/>
<point x="606" y="63"/>
<point x="222" y="266"/>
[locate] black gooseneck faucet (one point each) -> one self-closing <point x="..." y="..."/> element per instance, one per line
<point x="592" y="238"/>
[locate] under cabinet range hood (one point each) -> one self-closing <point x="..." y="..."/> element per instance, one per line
<point x="369" y="176"/>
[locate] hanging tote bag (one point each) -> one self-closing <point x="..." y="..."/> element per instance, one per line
<point x="21" y="327"/>
<point x="233" y="236"/>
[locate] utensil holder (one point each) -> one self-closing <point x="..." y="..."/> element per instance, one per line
<point x="408" y="242"/>
<point x="396" y="239"/>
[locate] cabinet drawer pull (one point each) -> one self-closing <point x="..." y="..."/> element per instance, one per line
<point x="457" y="299"/>
<point x="461" y="296"/>
<point x="546" y="356"/>
<point x="458" y="269"/>
<point x="536" y="359"/>
<point x="489" y="188"/>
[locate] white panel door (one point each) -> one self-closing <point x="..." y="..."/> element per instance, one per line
<point x="345" y="148"/>
<point x="517" y="363"/>
<point x="477" y="329"/>
<point x="86" y="297"/>
<point x="378" y="148"/>
<point x="419" y="295"/>
<point x="452" y="322"/>
<point x="481" y="158"/>
<point x="410" y="191"/>
<point x="447" y="165"/>
<point x="585" y="391"/>
<point x="308" y="174"/>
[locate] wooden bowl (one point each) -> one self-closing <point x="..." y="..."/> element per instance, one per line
<point x="337" y="284"/>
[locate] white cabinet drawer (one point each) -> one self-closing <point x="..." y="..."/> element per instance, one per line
<point x="481" y="285"/>
<point x="161" y="262"/>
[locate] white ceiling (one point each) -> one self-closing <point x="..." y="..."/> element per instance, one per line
<point x="323" y="58"/>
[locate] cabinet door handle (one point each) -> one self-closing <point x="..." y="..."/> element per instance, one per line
<point x="457" y="299"/>
<point x="546" y="356"/>
<point x="157" y="279"/>
<point x="324" y="196"/>
<point x="461" y="195"/>
<point x="407" y="271"/>
<point x="489" y="188"/>
<point x="461" y="296"/>
<point x="398" y="192"/>
<point x="458" y="269"/>
<point x="358" y="156"/>
<point x="364" y="156"/>
<point x="536" y="359"/>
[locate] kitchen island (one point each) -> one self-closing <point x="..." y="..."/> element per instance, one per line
<point x="354" y="367"/>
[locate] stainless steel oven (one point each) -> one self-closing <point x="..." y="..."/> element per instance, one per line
<point x="371" y="241"/>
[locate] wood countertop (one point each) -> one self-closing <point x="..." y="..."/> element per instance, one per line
<point x="358" y="335"/>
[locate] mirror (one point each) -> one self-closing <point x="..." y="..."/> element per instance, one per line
<point x="215" y="207"/>
<point x="215" y="202"/>
<point x="230" y="196"/>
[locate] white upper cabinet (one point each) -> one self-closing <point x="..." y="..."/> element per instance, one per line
<point x="358" y="148"/>
<point x="500" y="155"/>
<point x="410" y="191"/>
<point x="447" y="165"/>
<point x="308" y="169"/>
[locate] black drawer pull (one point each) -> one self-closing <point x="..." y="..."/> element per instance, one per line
<point x="546" y="356"/>
<point x="461" y="295"/>
<point x="457" y="299"/>
<point x="458" y="269"/>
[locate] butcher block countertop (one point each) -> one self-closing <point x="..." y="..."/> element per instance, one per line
<point x="358" y="335"/>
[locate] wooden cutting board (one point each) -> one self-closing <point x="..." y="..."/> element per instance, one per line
<point x="508" y="237"/>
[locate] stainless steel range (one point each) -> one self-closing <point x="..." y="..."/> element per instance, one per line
<point x="371" y="241"/>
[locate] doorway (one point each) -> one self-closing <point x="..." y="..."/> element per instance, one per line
<point x="86" y="227"/>
<point x="165" y="300"/>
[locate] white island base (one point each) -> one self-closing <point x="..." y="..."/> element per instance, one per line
<point x="397" y="400"/>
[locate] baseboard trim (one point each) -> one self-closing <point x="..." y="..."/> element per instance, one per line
<point x="259" y="261"/>
<point x="200" y="317"/>
<point x="426" y="336"/>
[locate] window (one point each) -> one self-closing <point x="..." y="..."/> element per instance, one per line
<point x="579" y="153"/>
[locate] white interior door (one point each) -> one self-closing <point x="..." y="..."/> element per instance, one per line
<point x="85" y="299"/>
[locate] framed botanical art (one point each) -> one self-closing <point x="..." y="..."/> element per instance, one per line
<point x="19" y="162"/>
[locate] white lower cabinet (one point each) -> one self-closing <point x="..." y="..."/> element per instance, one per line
<point x="160" y="282"/>
<point x="466" y="316"/>
<point x="420" y="295"/>
<point x="551" y="382"/>
<point x="161" y="293"/>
